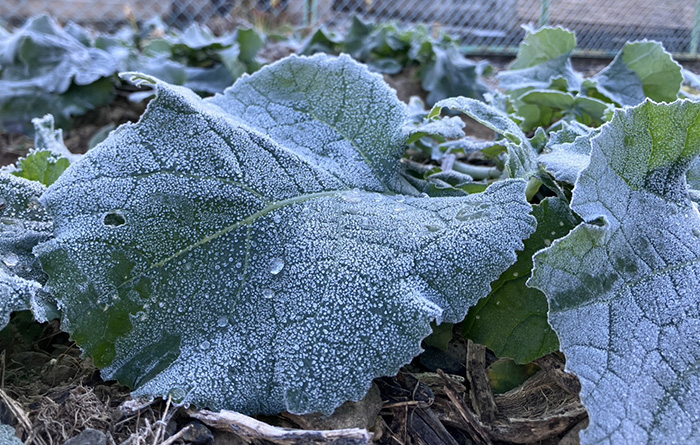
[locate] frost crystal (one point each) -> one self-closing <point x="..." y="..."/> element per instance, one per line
<point x="624" y="289"/>
<point x="260" y="264"/>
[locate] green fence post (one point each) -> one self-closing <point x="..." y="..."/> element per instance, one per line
<point x="544" y="13"/>
<point x="695" y="36"/>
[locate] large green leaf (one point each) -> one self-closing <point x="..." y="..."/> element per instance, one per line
<point x="512" y="319"/>
<point x="640" y="70"/>
<point x="624" y="287"/>
<point x="250" y="251"/>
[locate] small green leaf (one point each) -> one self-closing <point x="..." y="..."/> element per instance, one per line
<point x="440" y="337"/>
<point x="506" y="375"/>
<point x="50" y="157"/>
<point x="512" y="319"/>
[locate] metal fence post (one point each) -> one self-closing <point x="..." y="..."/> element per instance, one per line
<point x="695" y="36"/>
<point x="544" y="13"/>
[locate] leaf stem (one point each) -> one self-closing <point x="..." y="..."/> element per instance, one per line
<point x="477" y="171"/>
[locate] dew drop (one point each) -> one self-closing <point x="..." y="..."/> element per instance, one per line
<point x="10" y="259"/>
<point x="547" y="242"/>
<point x="177" y="394"/>
<point x="696" y="232"/>
<point x="277" y="218"/>
<point x="268" y="293"/>
<point x="352" y="196"/>
<point x="432" y="228"/>
<point x="222" y="321"/>
<point x="204" y="345"/>
<point x="276" y="266"/>
<point x="3" y="204"/>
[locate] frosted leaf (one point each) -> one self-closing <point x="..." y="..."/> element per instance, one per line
<point x="44" y="69"/>
<point x="522" y="157"/>
<point x="623" y="287"/>
<point x="568" y="151"/>
<point x="23" y="224"/>
<point x="49" y="158"/>
<point x="327" y="120"/>
<point x="640" y="70"/>
<point x="544" y="55"/>
<point x="209" y="210"/>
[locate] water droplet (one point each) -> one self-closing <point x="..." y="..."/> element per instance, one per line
<point x="433" y="228"/>
<point x="10" y="259"/>
<point x="696" y="232"/>
<point x="351" y="196"/>
<point x="276" y="266"/>
<point x="547" y="242"/>
<point x="268" y="293"/>
<point x="177" y="394"/>
<point x="515" y="274"/>
<point x="3" y="204"/>
<point x="277" y="218"/>
<point x="561" y="223"/>
<point x="478" y="317"/>
<point x="400" y="209"/>
<point x="468" y="214"/>
<point x="204" y="345"/>
<point x="222" y="321"/>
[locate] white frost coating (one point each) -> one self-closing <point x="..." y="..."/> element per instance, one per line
<point x="23" y="224"/>
<point x="329" y="119"/>
<point x="568" y="152"/>
<point x="252" y="272"/>
<point x="624" y="297"/>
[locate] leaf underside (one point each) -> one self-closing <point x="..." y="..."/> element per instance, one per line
<point x="251" y="252"/>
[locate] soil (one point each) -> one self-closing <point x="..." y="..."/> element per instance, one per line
<point x="51" y="394"/>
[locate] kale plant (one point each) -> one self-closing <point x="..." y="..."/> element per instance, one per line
<point x="387" y="48"/>
<point x="268" y="248"/>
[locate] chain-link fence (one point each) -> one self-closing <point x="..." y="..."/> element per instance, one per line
<point x="486" y="26"/>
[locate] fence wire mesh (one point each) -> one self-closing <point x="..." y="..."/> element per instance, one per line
<point x="484" y="26"/>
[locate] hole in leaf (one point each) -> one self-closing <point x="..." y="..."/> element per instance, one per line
<point x="115" y="218"/>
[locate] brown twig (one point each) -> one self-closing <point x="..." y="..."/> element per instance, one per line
<point x="250" y="428"/>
